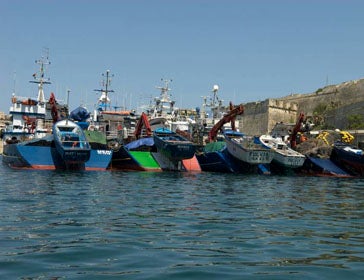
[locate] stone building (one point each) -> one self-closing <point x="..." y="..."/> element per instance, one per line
<point x="260" y="117"/>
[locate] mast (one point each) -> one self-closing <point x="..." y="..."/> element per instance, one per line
<point x="104" y="100"/>
<point x="164" y="90"/>
<point x="214" y="104"/>
<point x="215" y="100"/>
<point x="164" y="98"/>
<point x="39" y="78"/>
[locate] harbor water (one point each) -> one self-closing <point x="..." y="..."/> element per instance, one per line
<point x="174" y="225"/>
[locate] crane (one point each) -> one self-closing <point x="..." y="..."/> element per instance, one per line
<point x="229" y="117"/>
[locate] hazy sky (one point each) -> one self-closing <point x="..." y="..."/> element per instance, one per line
<point x="254" y="49"/>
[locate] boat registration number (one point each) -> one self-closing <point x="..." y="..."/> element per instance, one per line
<point x="183" y="147"/>
<point x="256" y="156"/>
<point x="294" y="161"/>
<point x="104" y="152"/>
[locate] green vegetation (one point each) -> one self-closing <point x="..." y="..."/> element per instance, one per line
<point x="320" y="109"/>
<point x="319" y="90"/>
<point x="355" y="121"/>
<point x="319" y="116"/>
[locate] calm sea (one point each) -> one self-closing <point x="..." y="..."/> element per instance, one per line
<point x="140" y="225"/>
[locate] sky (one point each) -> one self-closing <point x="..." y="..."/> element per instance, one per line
<point x="251" y="49"/>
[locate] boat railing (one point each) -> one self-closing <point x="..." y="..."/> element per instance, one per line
<point x="75" y="143"/>
<point x="73" y="140"/>
<point x="112" y="134"/>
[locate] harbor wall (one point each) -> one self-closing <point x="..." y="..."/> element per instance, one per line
<point x="336" y="103"/>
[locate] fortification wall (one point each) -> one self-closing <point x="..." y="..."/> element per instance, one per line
<point x="338" y="118"/>
<point x="260" y="117"/>
<point x="255" y="118"/>
<point x="340" y="101"/>
<point x="334" y="96"/>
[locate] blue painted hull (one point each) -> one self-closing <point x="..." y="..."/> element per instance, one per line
<point x="217" y="161"/>
<point x="348" y="160"/>
<point x="46" y="158"/>
<point x="99" y="160"/>
<point x="222" y="161"/>
<point x="321" y="167"/>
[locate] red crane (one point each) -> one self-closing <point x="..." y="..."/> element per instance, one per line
<point x="52" y="101"/>
<point x="297" y="128"/>
<point x="229" y="117"/>
<point x="143" y="121"/>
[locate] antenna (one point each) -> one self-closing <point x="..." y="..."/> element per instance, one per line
<point x="14" y="77"/>
<point x="215" y="89"/>
<point x="39" y="77"/>
<point x="165" y="88"/>
<point x="104" y="98"/>
<point x="68" y="97"/>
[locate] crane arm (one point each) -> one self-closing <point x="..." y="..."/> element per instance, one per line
<point x="229" y="117"/>
<point x="143" y="121"/>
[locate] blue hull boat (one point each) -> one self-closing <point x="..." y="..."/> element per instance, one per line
<point x="172" y="145"/>
<point x="32" y="154"/>
<point x="41" y="154"/>
<point x="349" y="158"/>
<point x="73" y="150"/>
<point x="321" y="167"/>
<point x="214" y="158"/>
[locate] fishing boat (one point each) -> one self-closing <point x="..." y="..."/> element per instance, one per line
<point x="172" y="145"/>
<point x="348" y="157"/>
<point x="30" y="154"/>
<point x="41" y="154"/>
<point x="101" y="154"/>
<point x="139" y="155"/>
<point x="73" y="150"/>
<point x="162" y="112"/>
<point x="247" y="150"/>
<point x="28" y="142"/>
<point x="322" y="167"/>
<point x="214" y="155"/>
<point x="284" y="157"/>
<point x="215" y="158"/>
<point x="28" y="114"/>
<point x="116" y="122"/>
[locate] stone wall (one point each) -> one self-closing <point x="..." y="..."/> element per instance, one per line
<point x="338" y="118"/>
<point x="340" y="101"/>
<point x="260" y="117"/>
<point x="335" y="97"/>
